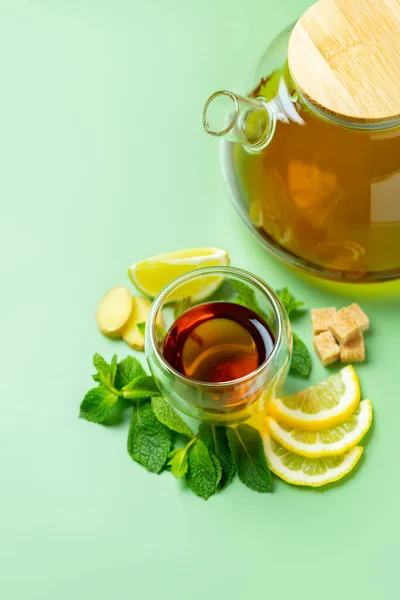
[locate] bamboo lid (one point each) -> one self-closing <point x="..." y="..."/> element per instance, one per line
<point x="344" y="56"/>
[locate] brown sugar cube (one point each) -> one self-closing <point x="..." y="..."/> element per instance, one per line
<point x="343" y="326"/>
<point x="327" y="348"/>
<point x="353" y="350"/>
<point x="359" y="316"/>
<point x="321" y="319"/>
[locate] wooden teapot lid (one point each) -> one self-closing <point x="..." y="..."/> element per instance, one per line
<point x="344" y="57"/>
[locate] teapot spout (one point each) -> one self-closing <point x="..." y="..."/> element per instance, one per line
<point x="250" y="122"/>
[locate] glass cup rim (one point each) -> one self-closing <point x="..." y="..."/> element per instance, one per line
<point x="249" y="277"/>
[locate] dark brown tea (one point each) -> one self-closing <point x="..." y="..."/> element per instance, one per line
<point x="217" y="342"/>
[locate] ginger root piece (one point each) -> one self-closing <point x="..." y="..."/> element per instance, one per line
<point x="140" y="313"/>
<point x="353" y="350"/>
<point x="131" y="333"/>
<point x="343" y="326"/>
<point x="114" y="311"/>
<point x="327" y="348"/>
<point x="321" y="319"/>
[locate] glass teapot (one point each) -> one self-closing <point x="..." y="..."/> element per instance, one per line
<point x="311" y="155"/>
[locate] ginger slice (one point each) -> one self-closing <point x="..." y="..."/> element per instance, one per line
<point x="114" y="311"/>
<point x="140" y="313"/>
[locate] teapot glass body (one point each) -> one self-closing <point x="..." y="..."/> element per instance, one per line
<point x="322" y="194"/>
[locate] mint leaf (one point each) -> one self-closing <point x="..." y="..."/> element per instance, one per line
<point x="128" y="369"/>
<point x="290" y="304"/>
<point x="178" y="462"/>
<point x="216" y="440"/>
<point x="149" y="441"/>
<point x="182" y="306"/>
<point x="218" y="469"/>
<point x="203" y="477"/>
<point x="169" y="417"/>
<point x="161" y="334"/>
<point x="96" y="377"/>
<point x="246" y="296"/>
<point x="141" y="387"/>
<point x="301" y="358"/>
<point x="97" y="404"/>
<point x="142" y="327"/>
<point x="106" y="372"/>
<point x="248" y="455"/>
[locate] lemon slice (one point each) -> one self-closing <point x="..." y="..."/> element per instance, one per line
<point x="313" y="472"/>
<point x="325" y="442"/>
<point x="320" y="406"/>
<point x="150" y="276"/>
<point x="256" y="214"/>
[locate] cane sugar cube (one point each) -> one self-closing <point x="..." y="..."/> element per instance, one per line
<point x="343" y="326"/>
<point x="353" y="350"/>
<point x="359" y="316"/>
<point x="326" y="347"/>
<point x="321" y="319"/>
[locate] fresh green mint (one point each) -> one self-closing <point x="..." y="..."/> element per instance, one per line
<point x="204" y="471"/>
<point x="98" y="404"/>
<point x="301" y="359"/>
<point x="149" y="441"/>
<point x="246" y="296"/>
<point x="178" y="460"/>
<point x="210" y="458"/>
<point x="169" y="417"/>
<point x="249" y="457"/>
<point x="216" y="440"/>
<point x="142" y="327"/>
<point x="126" y="379"/>
<point x="128" y="370"/>
<point x="140" y="388"/>
<point x="182" y="306"/>
<point x="290" y="304"/>
<point x="105" y="372"/>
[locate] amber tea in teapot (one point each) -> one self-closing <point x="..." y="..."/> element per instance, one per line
<point x="318" y="179"/>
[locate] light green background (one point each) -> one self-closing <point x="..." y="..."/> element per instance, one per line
<point x="103" y="162"/>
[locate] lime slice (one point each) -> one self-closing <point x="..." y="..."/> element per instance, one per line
<point x="150" y="276"/>
<point x="325" y="442"/>
<point x="320" y="406"/>
<point x="312" y="472"/>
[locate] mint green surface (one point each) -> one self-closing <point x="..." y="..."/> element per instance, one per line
<point x="103" y="162"/>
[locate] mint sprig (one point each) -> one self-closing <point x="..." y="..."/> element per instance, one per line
<point x="169" y="417"/>
<point x="301" y="358"/>
<point x="216" y="440"/>
<point x="98" y="404"/>
<point x="246" y="296"/>
<point x="128" y="370"/>
<point x="106" y="372"/>
<point x="248" y="453"/>
<point x="204" y="471"/>
<point x="290" y="304"/>
<point x="149" y="441"/>
<point x="178" y="461"/>
<point x="210" y="458"/>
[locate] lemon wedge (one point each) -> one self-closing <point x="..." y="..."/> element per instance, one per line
<point x="312" y="472"/>
<point x="150" y="276"/>
<point x="325" y="442"/>
<point x="320" y="406"/>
